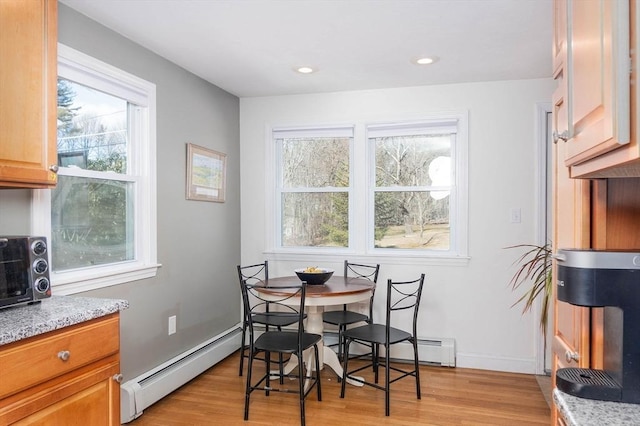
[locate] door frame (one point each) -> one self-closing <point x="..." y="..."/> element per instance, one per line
<point x="543" y="231"/>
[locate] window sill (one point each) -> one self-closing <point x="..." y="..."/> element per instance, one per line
<point x="67" y="283"/>
<point x="382" y="258"/>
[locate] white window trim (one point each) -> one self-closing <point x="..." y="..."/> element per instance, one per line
<point x="77" y="66"/>
<point x="360" y="250"/>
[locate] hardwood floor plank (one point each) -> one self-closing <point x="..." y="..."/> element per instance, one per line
<point x="450" y="397"/>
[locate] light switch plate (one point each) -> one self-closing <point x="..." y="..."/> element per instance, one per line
<point x="516" y="216"/>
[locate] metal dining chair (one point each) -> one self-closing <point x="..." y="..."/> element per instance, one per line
<point x="287" y="300"/>
<point x="401" y="296"/>
<point x="345" y="317"/>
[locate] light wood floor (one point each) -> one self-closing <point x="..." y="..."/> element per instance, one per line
<point x="450" y="396"/>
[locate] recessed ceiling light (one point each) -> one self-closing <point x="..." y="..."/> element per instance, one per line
<point x="424" y="60"/>
<point x="305" y="70"/>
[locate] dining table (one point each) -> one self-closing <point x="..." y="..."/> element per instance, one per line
<point x="337" y="290"/>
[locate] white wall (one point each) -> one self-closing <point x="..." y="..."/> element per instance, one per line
<point x="471" y="303"/>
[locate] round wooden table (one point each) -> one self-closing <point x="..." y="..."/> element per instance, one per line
<point x="336" y="291"/>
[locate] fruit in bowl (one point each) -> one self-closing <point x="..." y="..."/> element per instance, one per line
<point x="314" y="275"/>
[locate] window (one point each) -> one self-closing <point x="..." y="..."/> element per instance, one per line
<point x="412" y="185"/>
<point x="313" y="187"/>
<point x="403" y="192"/>
<point x="100" y="218"/>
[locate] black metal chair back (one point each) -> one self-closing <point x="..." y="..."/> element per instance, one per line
<point x="369" y="272"/>
<point x="346" y="317"/>
<point x="252" y="274"/>
<point x="283" y="302"/>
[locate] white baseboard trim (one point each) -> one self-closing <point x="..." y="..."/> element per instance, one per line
<point x="139" y="393"/>
<point x="496" y="363"/>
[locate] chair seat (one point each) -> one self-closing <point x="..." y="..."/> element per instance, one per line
<point x="284" y="341"/>
<point x="276" y="319"/>
<point x="375" y="333"/>
<point x="343" y="317"/>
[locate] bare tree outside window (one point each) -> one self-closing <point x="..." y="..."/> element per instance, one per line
<point x="314" y="195"/>
<point x="91" y="215"/>
<point x="412" y="189"/>
<point x="400" y="191"/>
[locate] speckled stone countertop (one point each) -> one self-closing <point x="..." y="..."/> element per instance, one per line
<point x="21" y="322"/>
<point x="589" y="412"/>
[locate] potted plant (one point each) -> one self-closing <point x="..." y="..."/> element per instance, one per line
<point x="534" y="274"/>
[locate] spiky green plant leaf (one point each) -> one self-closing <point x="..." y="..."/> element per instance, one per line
<point x="533" y="274"/>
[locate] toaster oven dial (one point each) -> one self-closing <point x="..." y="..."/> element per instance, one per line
<point x="42" y="285"/>
<point x="40" y="266"/>
<point x="39" y="247"/>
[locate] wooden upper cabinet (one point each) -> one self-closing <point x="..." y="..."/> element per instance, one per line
<point x="28" y="93"/>
<point x="559" y="35"/>
<point x="599" y="73"/>
<point x="602" y="71"/>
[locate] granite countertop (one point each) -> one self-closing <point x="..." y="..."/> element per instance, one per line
<point x="590" y="412"/>
<point x="21" y="322"/>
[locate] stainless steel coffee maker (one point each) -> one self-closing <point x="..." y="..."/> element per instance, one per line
<point x="608" y="279"/>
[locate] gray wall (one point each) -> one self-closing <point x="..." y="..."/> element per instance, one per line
<point x="198" y="242"/>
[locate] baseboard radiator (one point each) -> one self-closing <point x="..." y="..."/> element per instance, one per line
<point x="430" y="351"/>
<point x="148" y="388"/>
<point x="440" y="351"/>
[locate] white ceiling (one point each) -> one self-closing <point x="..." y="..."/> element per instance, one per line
<point x="250" y="47"/>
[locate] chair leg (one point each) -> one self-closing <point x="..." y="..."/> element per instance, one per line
<point x="243" y="348"/>
<point x="341" y="329"/>
<point x="248" y="389"/>
<point x="318" y="381"/>
<point x="417" y="367"/>
<point x="281" y="368"/>
<point x="301" y="381"/>
<point x="386" y="380"/>
<point x="375" y="361"/>
<point x="345" y="366"/>
<point x="267" y="357"/>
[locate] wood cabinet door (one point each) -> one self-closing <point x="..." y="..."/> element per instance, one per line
<point x="598" y="68"/>
<point x="95" y="404"/>
<point x="28" y="88"/>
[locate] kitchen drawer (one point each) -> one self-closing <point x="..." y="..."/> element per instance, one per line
<point x="40" y="358"/>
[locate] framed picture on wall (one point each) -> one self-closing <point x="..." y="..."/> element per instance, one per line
<point x="206" y="174"/>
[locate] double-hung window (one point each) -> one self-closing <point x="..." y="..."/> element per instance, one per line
<point x="313" y="186"/>
<point x="415" y="193"/>
<point x="387" y="189"/>
<point x="100" y="218"/>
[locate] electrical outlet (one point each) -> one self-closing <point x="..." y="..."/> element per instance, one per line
<point x="172" y="325"/>
<point x="516" y="216"/>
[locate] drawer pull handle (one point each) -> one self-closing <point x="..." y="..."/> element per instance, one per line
<point x="118" y="377"/>
<point x="571" y="356"/>
<point x="64" y="355"/>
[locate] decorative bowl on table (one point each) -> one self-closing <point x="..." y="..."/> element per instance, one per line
<point x="313" y="275"/>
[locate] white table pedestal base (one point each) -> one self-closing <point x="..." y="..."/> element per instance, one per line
<point x="327" y="355"/>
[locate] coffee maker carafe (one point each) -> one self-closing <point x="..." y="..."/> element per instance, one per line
<point x="608" y="279"/>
